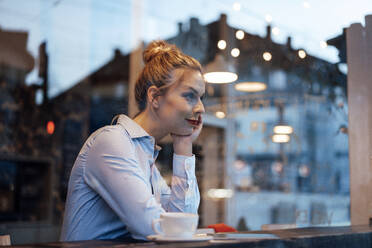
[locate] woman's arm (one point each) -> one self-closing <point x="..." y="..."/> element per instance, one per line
<point x="113" y="171"/>
<point x="183" y="196"/>
<point x="185" y="192"/>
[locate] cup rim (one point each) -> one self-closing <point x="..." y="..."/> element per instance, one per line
<point x="178" y="215"/>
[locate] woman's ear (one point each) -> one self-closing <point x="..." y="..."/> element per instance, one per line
<point x="153" y="96"/>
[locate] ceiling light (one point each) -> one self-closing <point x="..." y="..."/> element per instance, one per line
<point x="220" y="77"/>
<point x="220" y="114"/>
<point x="219" y="71"/>
<point x="283" y="129"/>
<point x="280" y="138"/>
<point x="250" y="86"/>
<point x="220" y="193"/>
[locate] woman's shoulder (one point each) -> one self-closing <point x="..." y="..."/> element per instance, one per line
<point x="111" y="134"/>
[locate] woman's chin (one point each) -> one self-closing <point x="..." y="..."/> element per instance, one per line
<point x="183" y="132"/>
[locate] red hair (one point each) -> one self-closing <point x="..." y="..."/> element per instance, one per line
<point x="161" y="59"/>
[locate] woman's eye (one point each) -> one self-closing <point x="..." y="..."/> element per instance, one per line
<point x="190" y="97"/>
<point x="193" y="98"/>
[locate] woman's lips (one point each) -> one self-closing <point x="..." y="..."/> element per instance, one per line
<point x="194" y="122"/>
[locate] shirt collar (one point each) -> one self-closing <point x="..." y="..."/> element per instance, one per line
<point x="134" y="130"/>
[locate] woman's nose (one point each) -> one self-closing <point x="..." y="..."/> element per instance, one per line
<point x="199" y="107"/>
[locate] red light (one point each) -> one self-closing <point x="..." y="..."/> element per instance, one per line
<point x="50" y="127"/>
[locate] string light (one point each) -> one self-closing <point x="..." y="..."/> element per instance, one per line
<point x="236" y="6"/>
<point x="267" y="56"/>
<point x="235" y="52"/>
<point x="302" y="54"/>
<point x="306" y="4"/>
<point x="221" y="44"/>
<point x="323" y="44"/>
<point x="268" y="18"/>
<point x="239" y="34"/>
<point x="276" y="31"/>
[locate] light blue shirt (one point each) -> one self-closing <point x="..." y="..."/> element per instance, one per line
<point x="115" y="190"/>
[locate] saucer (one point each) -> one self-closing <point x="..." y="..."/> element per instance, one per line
<point x="194" y="238"/>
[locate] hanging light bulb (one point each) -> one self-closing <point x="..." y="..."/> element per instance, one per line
<point x="221" y="44"/>
<point x="306" y="4"/>
<point x="302" y="54"/>
<point x="267" y="56"/>
<point x="275" y="31"/>
<point x="323" y="44"/>
<point x="235" y="52"/>
<point x="239" y="34"/>
<point x="236" y="6"/>
<point x="268" y="18"/>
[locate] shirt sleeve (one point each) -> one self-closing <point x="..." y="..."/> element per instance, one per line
<point x="112" y="170"/>
<point x="184" y="194"/>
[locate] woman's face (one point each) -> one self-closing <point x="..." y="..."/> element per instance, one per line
<point x="180" y="108"/>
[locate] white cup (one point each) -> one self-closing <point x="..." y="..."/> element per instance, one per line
<point x="173" y="224"/>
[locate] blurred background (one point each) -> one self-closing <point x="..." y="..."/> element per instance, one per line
<point x="274" y="147"/>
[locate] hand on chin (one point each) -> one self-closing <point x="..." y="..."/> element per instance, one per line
<point x="181" y="134"/>
<point x="182" y="142"/>
<point x="188" y="135"/>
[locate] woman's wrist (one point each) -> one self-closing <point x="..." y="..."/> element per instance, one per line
<point x="183" y="148"/>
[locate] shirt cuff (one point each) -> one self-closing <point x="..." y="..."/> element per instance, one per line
<point x="184" y="166"/>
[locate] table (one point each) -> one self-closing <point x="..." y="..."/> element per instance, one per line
<point x="346" y="236"/>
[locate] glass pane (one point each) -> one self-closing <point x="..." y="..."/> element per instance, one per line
<point x="273" y="152"/>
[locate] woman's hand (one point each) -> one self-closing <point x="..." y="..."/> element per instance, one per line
<point x="182" y="144"/>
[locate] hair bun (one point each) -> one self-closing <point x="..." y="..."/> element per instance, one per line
<point x="157" y="48"/>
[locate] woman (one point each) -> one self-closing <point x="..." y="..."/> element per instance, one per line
<point x="115" y="190"/>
